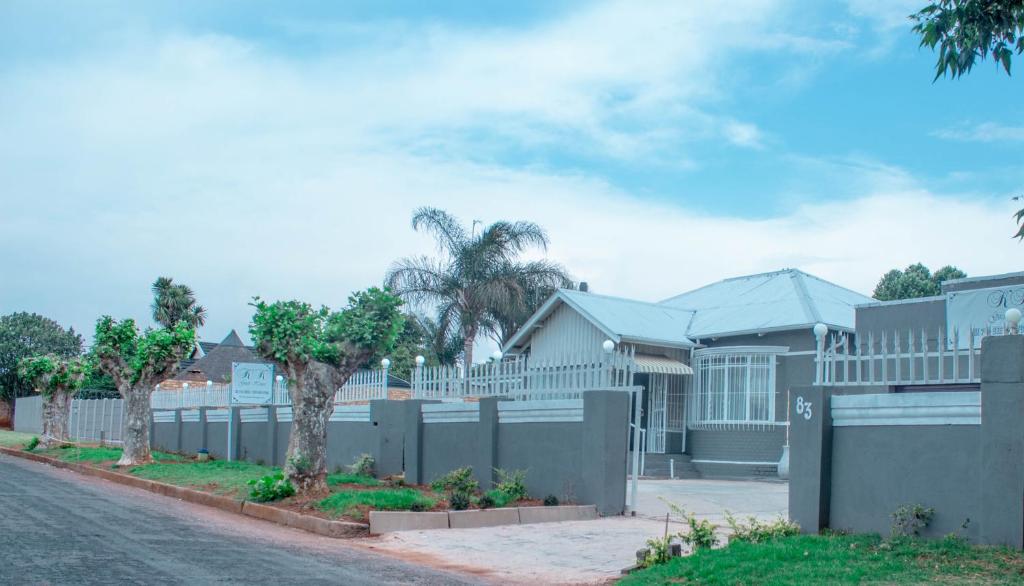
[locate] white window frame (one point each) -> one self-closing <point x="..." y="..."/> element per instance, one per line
<point x="712" y="407"/>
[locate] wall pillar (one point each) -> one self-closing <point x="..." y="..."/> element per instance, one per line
<point x="413" y="442"/>
<point x="1002" y="441"/>
<point x="179" y="431"/>
<point x="204" y="443"/>
<point x="235" y="413"/>
<point x="605" y="446"/>
<point x="271" y="435"/>
<point x="488" y="455"/>
<point x="388" y="419"/>
<point x="810" y="453"/>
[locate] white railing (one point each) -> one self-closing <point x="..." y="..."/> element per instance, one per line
<point x="522" y="378"/>
<point x="906" y="357"/>
<point x="365" y="385"/>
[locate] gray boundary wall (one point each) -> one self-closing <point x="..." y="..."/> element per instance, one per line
<point x="858" y="458"/>
<point x="28" y="414"/>
<point x="575" y="450"/>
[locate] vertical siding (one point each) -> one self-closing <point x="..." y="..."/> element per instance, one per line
<point x="565" y="331"/>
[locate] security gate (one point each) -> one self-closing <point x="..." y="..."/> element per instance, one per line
<point x="657" y="414"/>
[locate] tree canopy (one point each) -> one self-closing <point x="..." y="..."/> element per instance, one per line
<point x="175" y="302"/>
<point x="49" y="373"/>
<point x="966" y="30"/>
<point x="23" y="335"/>
<point x="913" y="282"/>
<point x="132" y="358"/>
<point x="479" y="276"/>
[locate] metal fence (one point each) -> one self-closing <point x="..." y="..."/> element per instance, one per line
<point x="97" y="420"/>
<point x="364" y="385"/>
<point x="523" y="378"/>
<point x="910" y="357"/>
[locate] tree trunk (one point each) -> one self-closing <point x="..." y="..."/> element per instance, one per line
<point x="56" y="412"/>
<point x="136" y="428"/>
<point x="312" y="394"/>
<point x="468" y="339"/>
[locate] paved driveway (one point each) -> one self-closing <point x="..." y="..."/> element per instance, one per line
<point x="589" y="551"/>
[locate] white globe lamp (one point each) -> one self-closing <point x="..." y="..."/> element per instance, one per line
<point x="420" y="360"/>
<point x="820" y="330"/>
<point x="608" y="346"/>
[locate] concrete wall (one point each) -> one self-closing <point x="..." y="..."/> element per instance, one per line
<point x="575" y="450"/>
<point x="28" y="414"/>
<point x="855" y="460"/>
<point x="736" y="452"/>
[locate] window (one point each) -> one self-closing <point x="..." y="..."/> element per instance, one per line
<point x="734" y="386"/>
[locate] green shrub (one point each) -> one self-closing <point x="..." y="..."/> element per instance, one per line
<point x="458" y="480"/>
<point x="910" y="520"/>
<point x="363" y="466"/>
<point x="459" y="501"/>
<point x="551" y="501"/>
<point x="754" y="531"/>
<point x="512" y="484"/>
<point x="486" y="501"/>
<point x="272" y="487"/>
<point x="658" y="550"/>
<point x="32" y="444"/>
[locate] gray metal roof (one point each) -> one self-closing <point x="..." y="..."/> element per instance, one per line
<point x="779" y="300"/>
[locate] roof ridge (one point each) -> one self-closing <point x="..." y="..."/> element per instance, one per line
<point x="804" y="296"/>
<point x="730" y="279"/>
<point x="617" y="298"/>
<point x="827" y="282"/>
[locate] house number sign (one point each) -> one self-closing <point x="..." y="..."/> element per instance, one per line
<point x="803" y="408"/>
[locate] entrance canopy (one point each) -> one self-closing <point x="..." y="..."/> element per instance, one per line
<point x="651" y="364"/>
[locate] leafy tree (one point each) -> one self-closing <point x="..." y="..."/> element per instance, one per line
<point x="913" y="282"/>
<point x="445" y="346"/>
<point x="536" y="281"/>
<point x="56" y="379"/>
<point x="136" y="362"/>
<point x="28" y="334"/>
<point x="319" y="350"/>
<point x="474" y="277"/>
<point x="966" y="30"/>
<point x="174" y="303"/>
<point x="412" y="341"/>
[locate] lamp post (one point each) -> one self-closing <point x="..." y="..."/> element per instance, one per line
<point x="1012" y="321"/>
<point x="820" y="330"/>
<point x="385" y="364"/>
<point x="497" y="356"/>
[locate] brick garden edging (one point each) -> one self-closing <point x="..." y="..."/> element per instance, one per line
<point x="326" y="527"/>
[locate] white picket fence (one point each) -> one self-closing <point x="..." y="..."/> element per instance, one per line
<point x="364" y="385"/>
<point x="522" y="378"/>
<point x="905" y="357"/>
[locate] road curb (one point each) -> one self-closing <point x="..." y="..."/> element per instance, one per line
<point x="308" y="523"/>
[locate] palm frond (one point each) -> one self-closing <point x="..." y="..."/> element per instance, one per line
<point x="446" y="229"/>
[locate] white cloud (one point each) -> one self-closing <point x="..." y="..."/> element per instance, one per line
<point x="242" y="172"/>
<point x="984" y="132"/>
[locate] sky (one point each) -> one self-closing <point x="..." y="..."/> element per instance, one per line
<point x="279" y="149"/>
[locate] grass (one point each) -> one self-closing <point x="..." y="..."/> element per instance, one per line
<point x="349" y="478"/>
<point x="14" y="439"/>
<point x="350" y="502"/>
<point x="218" y="476"/>
<point x="841" y="559"/>
<point x="71" y="453"/>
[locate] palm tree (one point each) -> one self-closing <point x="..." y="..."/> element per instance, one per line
<point x="173" y="303"/>
<point x="537" y="280"/>
<point x="474" y="278"/>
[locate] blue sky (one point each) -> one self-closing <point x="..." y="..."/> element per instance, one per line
<point x="257" y="148"/>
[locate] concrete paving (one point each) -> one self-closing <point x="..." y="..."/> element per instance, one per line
<point x="579" y="552"/>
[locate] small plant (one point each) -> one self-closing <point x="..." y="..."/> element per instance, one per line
<point x="911" y="520"/>
<point x="551" y="501"/>
<point x="458" y="480"/>
<point x="658" y="551"/>
<point x="459" y="501"/>
<point x="302" y="464"/>
<point x="32" y="444"/>
<point x="702" y="532"/>
<point x="512" y="484"/>
<point x="270" y="488"/>
<point x="363" y="466"/>
<point x="754" y="531"/>
<point x="486" y="501"/>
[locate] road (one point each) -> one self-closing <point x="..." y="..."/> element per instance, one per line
<point x="57" y="527"/>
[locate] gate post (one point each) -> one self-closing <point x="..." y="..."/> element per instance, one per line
<point x="810" y="464"/>
<point x="1002" y="441"/>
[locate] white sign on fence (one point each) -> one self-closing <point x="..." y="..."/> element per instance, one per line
<point x="982" y="310"/>
<point x="252" y="383"/>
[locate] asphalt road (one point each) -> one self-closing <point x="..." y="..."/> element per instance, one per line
<point x="57" y="527"/>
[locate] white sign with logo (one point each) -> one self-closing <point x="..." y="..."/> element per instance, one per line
<point x="980" y="310"/>
<point x="252" y="383"/>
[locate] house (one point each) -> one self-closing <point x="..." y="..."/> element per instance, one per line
<point x="715" y="363"/>
<point x="212" y="362"/>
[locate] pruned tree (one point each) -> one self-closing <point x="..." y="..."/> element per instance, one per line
<point x="176" y="302"/>
<point x="137" y="362"/>
<point x="23" y="335"/>
<point x="319" y="350"/>
<point x="57" y="380"/>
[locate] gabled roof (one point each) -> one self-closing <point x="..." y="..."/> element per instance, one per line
<point x="622" y="320"/>
<point x="216" y="365"/>
<point x="780" y="300"/>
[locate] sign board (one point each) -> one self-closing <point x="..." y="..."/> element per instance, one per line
<point x="980" y="310"/>
<point x="252" y="383"/>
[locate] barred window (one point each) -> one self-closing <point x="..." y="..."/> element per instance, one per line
<point x="734" y="387"/>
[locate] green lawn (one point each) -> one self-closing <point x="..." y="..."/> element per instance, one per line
<point x="14" y="439"/>
<point x="347" y="502"/>
<point x="218" y="476"/>
<point x="841" y="559"/>
<point x="349" y="478"/>
<point x="97" y="454"/>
